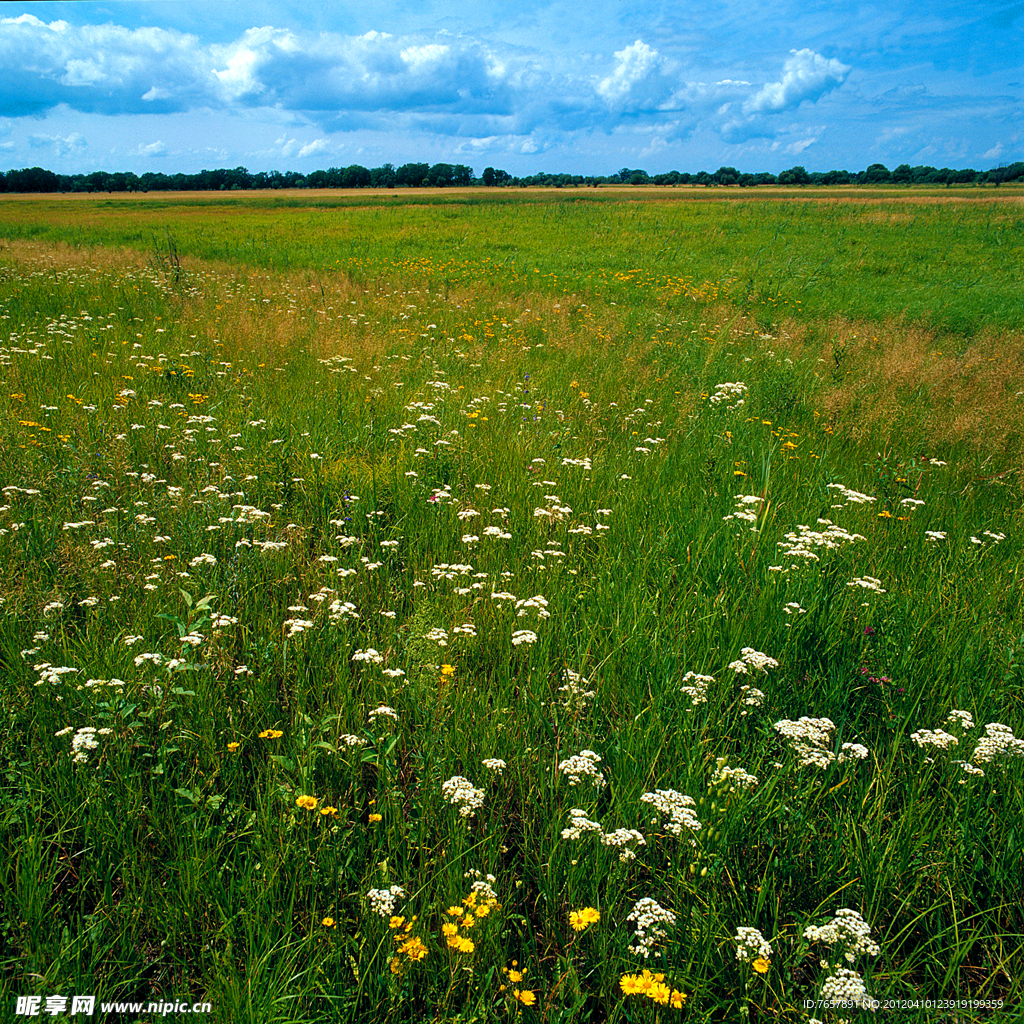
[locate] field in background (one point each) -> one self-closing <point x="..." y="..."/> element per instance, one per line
<point x="537" y="555"/>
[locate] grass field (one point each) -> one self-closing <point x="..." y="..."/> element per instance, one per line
<point x="450" y="607"/>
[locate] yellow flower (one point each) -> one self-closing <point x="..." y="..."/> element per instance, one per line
<point x="631" y="984"/>
<point x="396" y="922"/>
<point x="524" y="996"/>
<point x="447" y="670"/>
<point x="448" y="930"/>
<point x="271" y="734"/>
<point x="483" y="910"/>
<point x="761" y="965"/>
<point x="580" y="919"/>
<point x="332" y="811"/>
<point x="465" y="945"/>
<point x="374" y="818"/>
<point x="307" y="802"/>
<point x="328" y="922"/>
<point x="455" y="911"/>
<point x="678" y="998"/>
<point x="660" y="993"/>
<point x="414" y="949"/>
<point x="885" y="515"/>
<point x="233" y="746"/>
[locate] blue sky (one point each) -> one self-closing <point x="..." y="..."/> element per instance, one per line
<point x="585" y="86"/>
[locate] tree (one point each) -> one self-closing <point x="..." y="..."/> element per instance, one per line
<point x="795" y="176"/>
<point x="383" y="176"/>
<point x="412" y="175"/>
<point x="877" y="174"/>
<point x="727" y="176"/>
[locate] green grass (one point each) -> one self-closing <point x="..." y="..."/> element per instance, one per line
<point x="947" y="258"/>
<point x="261" y="408"/>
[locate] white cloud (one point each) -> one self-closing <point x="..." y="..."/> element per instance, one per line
<point x="806" y="75"/>
<point x="634" y="63"/>
<point x="62" y="145"/>
<point x="314" y="147"/>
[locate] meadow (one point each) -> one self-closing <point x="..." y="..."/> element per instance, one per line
<point x="514" y="606"/>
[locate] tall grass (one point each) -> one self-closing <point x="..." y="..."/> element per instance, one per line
<point x="293" y="488"/>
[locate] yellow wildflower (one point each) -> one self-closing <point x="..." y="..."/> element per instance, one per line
<point x="233" y="747"/>
<point x="678" y="998"/>
<point x="580" y="919"/>
<point x="328" y="922"/>
<point x="374" y="818"/>
<point x="631" y="984"/>
<point x="307" y="802"/>
<point x="761" y="965"/>
<point x="524" y="996"/>
<point x="271" y="734"/>
<point x="396" y="922"/>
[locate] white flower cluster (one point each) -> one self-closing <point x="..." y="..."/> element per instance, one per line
<point x="810" y="739"/>
<point x="998" y="741"/>
<point x="678" y="808"/>
<point x="494" y="764"/>
<point x="625" y="840"/>
<point x="731" y="391"/>
<point x="846" y="987"/>
<point x="538" y="603"/>
<point x="852" y="752"/>
<point x="750" y="944"/>
<point x="383" y="901"/>
<point x="576" y="692"/>
<point x="850" y="930"/>
<point x="83" y="741"/>
<point x="850" y="497"/>
<point x="351" y="741"/>
<point x="747" y="510"/>
<point x="805" y="543"/>
<point x="383" y="711"/>
<point x="867" y="583"/>
<point x="964" y="719"/>
<point x="696" y="688"/>
<point x="461" y="793"/>
<point x="651" y="920"/>
<point x="733" y="778"/>
<point x="523" y="636"/>
<point x="749" y="658"/>
<point x="934" y="738"/>
<point x="369" y="655"/>
<point x="751" y="697"/>
<point x="583" y="766"/>
<point x="579" y="825"/>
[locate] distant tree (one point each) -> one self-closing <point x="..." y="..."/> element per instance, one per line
<point x="462" y="175"/>
<point x="354" y="176"/>
<point x="383" y="176"/>
<point x="765" y="178"/>
<point x="877" y="174"/>
<point x="412" y="175"/>
<point x="903" y="174"/>
<point x="795" y="176"/>
<point x="440" y="176"/>
<point x="703" y="178"/>
<point x="726" y="176"/>
<point x="747" y="181"/>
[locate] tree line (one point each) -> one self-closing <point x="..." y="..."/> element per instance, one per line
<point x="442" y="175"/>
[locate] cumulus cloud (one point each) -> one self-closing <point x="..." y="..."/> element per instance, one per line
<point x="443" y="84"/>
<point x="806" y="75"/>
<point x="60" y="144"/>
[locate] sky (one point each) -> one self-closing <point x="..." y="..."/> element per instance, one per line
<point x="577" y="86"/>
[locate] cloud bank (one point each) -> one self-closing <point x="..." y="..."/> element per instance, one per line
<point x="446" y="84"/>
